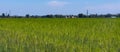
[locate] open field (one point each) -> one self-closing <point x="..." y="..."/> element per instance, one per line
<point x="59" y="35"/>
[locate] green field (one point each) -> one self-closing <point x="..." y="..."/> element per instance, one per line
<point x="59" y="35"/>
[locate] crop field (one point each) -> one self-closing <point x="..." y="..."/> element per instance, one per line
<point x="59" y="35"/>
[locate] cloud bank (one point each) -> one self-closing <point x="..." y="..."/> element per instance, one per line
<point x="57" y="3"/>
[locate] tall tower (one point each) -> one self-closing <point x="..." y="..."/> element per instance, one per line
<point x="87" y="12"/>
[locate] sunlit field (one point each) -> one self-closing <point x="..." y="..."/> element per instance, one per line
<point x="59" y="35"/>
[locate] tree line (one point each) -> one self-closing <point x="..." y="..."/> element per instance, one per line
<point x="81" y="15"/>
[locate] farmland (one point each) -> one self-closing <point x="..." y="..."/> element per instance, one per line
<point x="59" y="35"/>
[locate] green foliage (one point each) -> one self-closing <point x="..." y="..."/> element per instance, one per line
<point x="59" y="35"/>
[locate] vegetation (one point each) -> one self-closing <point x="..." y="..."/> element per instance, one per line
<point x="81" y="15"/>
<point x="59" y="35"/>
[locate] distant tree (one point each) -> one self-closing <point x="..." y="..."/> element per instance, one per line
<point x="49" y="16"/>
<point x="8" y="15"/>
<point x="3" y="14"/>
<point x="59" y="16"/>
<point x="27" y="16"/>
<point x="108" y="15"/>
<point x="35" y="16"/>
<point x="118" y="15"/>
<point x="93" y="15"/>
<point x="81" y="15"/>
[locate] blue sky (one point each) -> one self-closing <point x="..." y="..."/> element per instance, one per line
<point x="66" y="7"/>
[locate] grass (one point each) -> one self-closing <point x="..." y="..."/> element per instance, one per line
<point x="59" y="35"/>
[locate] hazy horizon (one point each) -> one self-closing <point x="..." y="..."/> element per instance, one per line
<point x="65" y="7"/>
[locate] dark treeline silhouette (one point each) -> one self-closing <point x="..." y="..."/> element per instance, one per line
<point x="81" y="15"/>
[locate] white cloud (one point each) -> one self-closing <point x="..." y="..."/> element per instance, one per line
<point x="57" y="3"/>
